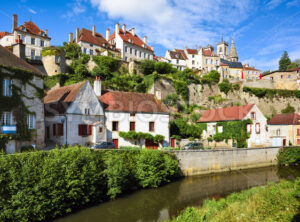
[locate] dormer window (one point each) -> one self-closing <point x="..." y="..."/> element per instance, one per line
<point x="130" y="40"/>
<point x="42" y="33"/>
<point x="23" y="28"/>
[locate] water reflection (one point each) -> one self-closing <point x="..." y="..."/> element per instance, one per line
<point x="168" y="201"/>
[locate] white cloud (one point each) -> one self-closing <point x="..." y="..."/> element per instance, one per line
<point x="274" y="3"/>
<point x="32" y="11"/>
<point x="76" y="8"/>
<point x="176" y="23"/>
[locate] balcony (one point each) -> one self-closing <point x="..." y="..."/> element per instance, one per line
<point x="8" y="129"/>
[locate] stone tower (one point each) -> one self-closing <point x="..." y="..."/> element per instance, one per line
<point x="222" y="49"/>
<point x="233" y="54"/>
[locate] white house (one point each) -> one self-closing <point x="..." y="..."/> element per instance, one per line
<point x="139" y="112"/>
<point x="74" y="115"/>
<point x="32" y="36"/>
<point x="130" y="44"/>
<point x="257" y="130"/>
<point x="177" y="58"/>
<point x="93" y="43"/>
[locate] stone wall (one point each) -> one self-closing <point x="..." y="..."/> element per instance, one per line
<point x="54" y="64"/>
<point x="164" y="86"/>
<point x="214" y="161"/>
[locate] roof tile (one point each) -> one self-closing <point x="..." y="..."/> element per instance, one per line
<point x="285" y="119"/>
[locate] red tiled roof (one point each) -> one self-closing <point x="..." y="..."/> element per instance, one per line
<point x="226" y="114"/>
<point x="128" y="35"/>
<point x="2" y="34"/>
<point x="207" y="52"/>
<point x="223" y="64"/>
<point x="192" y="51"/>
<point x="294" y="69"/>
<point x="32" y="28"/>
<point x="132" y="102"/>
<point x="181" y="51"/>
<point x="177" y="55"/>
<point x="285" y="119"/>
<point x="249" y="68"/>
<point x="57" y="100"/>
<point x="87" y="36"/>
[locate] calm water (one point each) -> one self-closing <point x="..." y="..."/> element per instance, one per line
<point x="168" y="201"/>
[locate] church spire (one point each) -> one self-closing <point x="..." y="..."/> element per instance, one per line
<point x="233" y="54"/>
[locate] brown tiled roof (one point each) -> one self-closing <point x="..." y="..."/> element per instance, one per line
<point x="226" y="114"/>
<point x="192" y="51"/>
<point x="207" y="52"/>
<point x="2" y="34"/>
<point x="11" y="60"/>
<point x="177" y="55"/>
<point x="182" y="53"/>
<point x="87" y="36"/>
<point x="59" y="99"/>
<point x="128" y="35"/>
<point x="132" y="102"/>
<point x="295" y="69"/>
<point x="32" y="29"/>
<point x="285" y="119"/>
<point x="249" y="68"/>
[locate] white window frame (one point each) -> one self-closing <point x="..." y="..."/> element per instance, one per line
<point x="7" y="87"/>
<point x="31" y="121"/>
<point x="7" y="119"/>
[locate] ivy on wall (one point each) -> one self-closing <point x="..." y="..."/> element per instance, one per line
<point x="235" y="130"/>
<point x="15" y="102"/>
<point x="132" y="135"/>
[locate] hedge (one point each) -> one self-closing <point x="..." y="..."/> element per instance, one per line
<point x="36" y="186"/>
<point x="289" y="156"/>
<point x="270" y="93"/>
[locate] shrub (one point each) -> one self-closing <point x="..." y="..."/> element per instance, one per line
<point x="288" y="109"/>
<point x="73" y="50"/>
<point x="236" y="86"/>
<point x="171" y="99"/>
<point x="147" y="67"/>
<point x="51" y="50"/>
<point x="213" y="77"/>
<point x="224" y="87"/>
<point x="106" y="66"/>
<point x="162" y="67"/>
<point x="27" y="149"/>
<point x="289" y="156"/>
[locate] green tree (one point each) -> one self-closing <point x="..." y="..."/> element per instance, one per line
<point x="284" y="61"/>
<point x="72" y="50"/>
<point x="288" y="109"/>
<point x="163" y="67"/>
<point x="147" y="67"/>
<point x="266" y="72"/>
<point x="294" y="64"/>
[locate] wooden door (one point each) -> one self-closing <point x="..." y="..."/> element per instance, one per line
<point x="151" y="145"/>
<point x="284" y="142"/>
<point x="173" y="142"/>
<point x="116" y="142"/>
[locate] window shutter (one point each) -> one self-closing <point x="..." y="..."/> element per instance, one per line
<point x="298" y="132"/>
<point x="54" y="129"/>
<point x="61" y="129"/>
<point x="90" y="130"/>
<point x="80" y="130"/>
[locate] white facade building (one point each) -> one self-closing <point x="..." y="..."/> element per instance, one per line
<point x="33" y="37"/>
<point x="177" y="58"/>
<point x="131" y="46"/>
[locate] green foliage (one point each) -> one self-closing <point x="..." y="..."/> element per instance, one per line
<point x="181" y="88"/>
<point x="270" y="93"/>
<point x="132" y="135"/>
<point x="225" y="87"/>
<point x="163" y="67"/>
<point x="284" y="61"/>
<point x="155" y="168"/>
<point x="289" y="156"/>
<point x="217" y="99"/>
<point x="106" y="66"/>
<point x="213" y="77"/>
<point x="171" y="100"/>
<point x="236" y="86"/>
<point x="273" y="202"/>
<point x="28" y="148"/>
<point x="147" y="67"/>
<point x="184" y="129"/>
<point x="73" y="50"/>
<point x="38" y="186"/>
<point x="235" y="130"/>
<point x="293" y="65"/>
<point x="195" y="117"/>
<point x="3" y="141"/>
<point x="288" y="109"/>
<point x="51" y="50"/>
<point x="265" y="72"/>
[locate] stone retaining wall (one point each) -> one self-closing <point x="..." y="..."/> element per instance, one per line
<point x="214" y="161"/>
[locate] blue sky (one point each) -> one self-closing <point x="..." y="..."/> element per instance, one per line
<point x="262" y="29"/>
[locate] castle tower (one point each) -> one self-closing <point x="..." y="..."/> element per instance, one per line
<point x="222" y="49"/>
<point x="233" y="54"/>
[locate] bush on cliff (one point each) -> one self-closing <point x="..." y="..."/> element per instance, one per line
<point x="36" y="186"/>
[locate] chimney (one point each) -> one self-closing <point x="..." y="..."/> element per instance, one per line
<point x="152" y="48"/>
<point x="94" y="31"/>
<point x="158" y="94"/>
<point x="46" y="32"/>
<point x="145" y="39"/>
<point x="196" y="47"/>
<point x="186" y="47"/>
<point x="97" y="86"/>
<point x="132" y="30"/>
<point x="77" y="35"/>
<point x="15" y="22"/>
<point x="71" y="37"/>
<point x="117" y="28"/>
<point x="19" y="48"/>
<point x="124" y="28"/>
<point x="107" y="34"/>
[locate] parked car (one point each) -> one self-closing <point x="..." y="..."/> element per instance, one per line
<point x="193" y="146"/>
<point x="104" y="145"/>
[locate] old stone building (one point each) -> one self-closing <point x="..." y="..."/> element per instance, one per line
<point x="22" y="112"/>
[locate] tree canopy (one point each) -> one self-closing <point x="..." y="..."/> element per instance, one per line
<point x="284" y="61"/>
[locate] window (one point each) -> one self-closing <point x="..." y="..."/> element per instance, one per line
<point x="58" y="129"/>
<point x="91" y="52"/>
<point x="298" y="141"/>
<point x="177" y="61"/>
<point x="193" y="56"/>
<point x="91" y="45"/>
<point x="125" y="48"/>
<point x="100" y="130"/>
<point x="217" y="62"/>
<point x="126" y="59"/>
<point x="281" y="76"/>
<point x="132" y="114"/>
<point x="31" y="121"/>
<point x="87" y="111"/>
<point x="193" y="62"/>
<point x="7" y="87"/>
<point x="211" y="61"/>
<point x="249" y="128"/>
<point x="144" y="55"/>
<point x="84" y="130"/>
<point x="42" y="43"/>
<point x="257" y="128"/>
<point x="135" y="52"/>
<point x="253" y="116"/>
<point x="298" y="132"/>
<point x="130" y="50"/>
<point x="206" y="61"/>
<point x="32" y="41"/>
<point x="140" y="54"/>
<point x="220" y="129"/>
<point x="278" y="132"/>
<point x="7" y="119"/>
<point x="84" y="50"/>
<point x="148" y="56"/>
<point x="151" y="126"/>
<point x="132" y="126"/>
<point x="115" y="126"/>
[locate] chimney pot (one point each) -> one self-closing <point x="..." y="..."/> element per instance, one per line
<point x="152" y="48"/>
<point x="124" y="28"/>
<point x="94" y="30"/>
<point x="15" y="22"/>
<point x="117" y="27"/>
<point x="46" y="31"/>
<point x="77" y="35"/>
<point x="70" y="37"/>
<point x="107" y="34"/>
<point x="132" y="30"/>
<point x="145" y="39"/>
<point x="97" y="86"/>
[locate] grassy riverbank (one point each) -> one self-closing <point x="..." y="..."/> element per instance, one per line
<point x="36" y="186"/>
<point x="273" y="202"/>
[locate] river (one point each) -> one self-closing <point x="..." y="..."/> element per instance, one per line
<point x="153" y="205"/>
